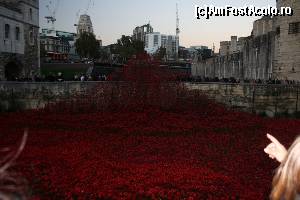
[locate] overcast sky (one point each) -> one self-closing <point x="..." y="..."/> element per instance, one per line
<point x="113" y="18"/>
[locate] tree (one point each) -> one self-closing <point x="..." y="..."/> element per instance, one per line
<point x="161" y="53"/>
<point x="104" y="54"/>
<point x="205" y="53"/>
<point x="126" y="47"/>
<point x="87" y="45"/>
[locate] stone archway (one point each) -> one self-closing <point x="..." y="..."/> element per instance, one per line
<point x="12" y="71"/>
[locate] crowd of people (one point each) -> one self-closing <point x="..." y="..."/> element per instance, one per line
<point x="234" y="80"/>
<point x="59" y="77"/>
<point x="82" y="77"/>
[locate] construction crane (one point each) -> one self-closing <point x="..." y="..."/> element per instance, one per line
<point x="89" y="6"/>
<point x="177" y="33"/>
<point x="52" y="8"/>
<point x="177" y="21"/>
<point x="90" y="2"/>
<point x="77" y="18"/>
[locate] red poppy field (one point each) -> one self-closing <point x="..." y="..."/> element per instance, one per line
<point x="153" y="154"/>
<point x="190" y="150"/>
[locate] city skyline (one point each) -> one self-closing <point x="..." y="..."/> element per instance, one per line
<point x="114" y="18"/>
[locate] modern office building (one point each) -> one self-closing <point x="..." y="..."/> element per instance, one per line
<point x="57" y="44"/>
<point x="140" y="32"/>
<point x="154" y="41"/>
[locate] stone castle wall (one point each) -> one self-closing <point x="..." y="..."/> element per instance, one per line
<point x="23" y="53"/>
<point x="270" y="52"/>
<point x="30" y="95"/>
<point x="253" y="62"/>
<point x="268" y="99"/>
<point x="287" y="45"/>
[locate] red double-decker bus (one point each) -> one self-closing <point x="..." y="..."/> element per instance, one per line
<point x="57" y="57"/>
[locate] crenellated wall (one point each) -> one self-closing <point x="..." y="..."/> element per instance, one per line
<point x="253" y="62"/>
<point x="271" y="51"/>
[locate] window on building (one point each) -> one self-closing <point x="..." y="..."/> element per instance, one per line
<point x="30" y="13"/>
<point x="294" y="28"/>
<point x="31" y="37"/>
<point x="146" y="41"/>
<point x="155" y="40"/>
<point x="278" y="31"/>
<point x="17" y="33"/>
<point x="7" y="31"/>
